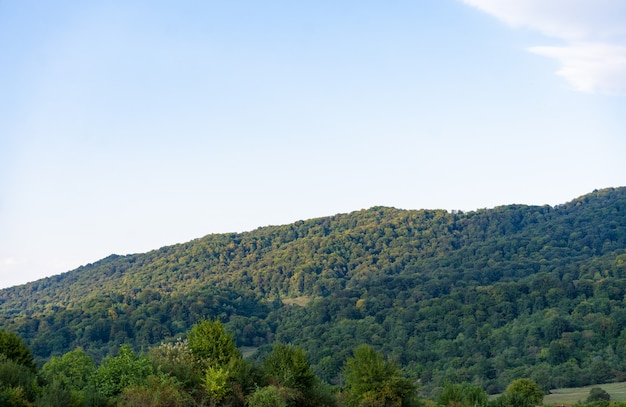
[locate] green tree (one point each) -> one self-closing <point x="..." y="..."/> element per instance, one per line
<point x="370" y="380"/>
<point x="269" y="396"/>
<point x="14" y="397"/>
<point x="12" y="347"/>
<point x="176" y="359"/>
<point x="55" y="394"/>
<point x="16" y="383"/>
<point x="521" y="393"/>
<point x="287" y="366"/>
<point x="598" y="394"/>
<point x="67" y="378"/>
<point x="72" y="370"/>
<point x="462" y="395"/>
<point x="211" y="344"/>
<point x="157" y="391"/>
<point x="216" y="383"/>
<point x="119" y="372"/>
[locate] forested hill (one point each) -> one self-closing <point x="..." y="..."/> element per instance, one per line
<point x="483" y="296"/>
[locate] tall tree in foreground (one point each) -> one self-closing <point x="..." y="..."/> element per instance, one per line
<point x="219" y="361"/>
<point x="124" y="370"/>
<point x="211" y="344"/>
<point x="370" y="380"/>
<point x="12" y="348"/>
<point x="520" y="393"/>
<point x="17" y="371"/>
<point x="291" y="379"/>
<point x="462" y="395"/>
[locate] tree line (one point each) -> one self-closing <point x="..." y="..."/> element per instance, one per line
<point x="207" y="369"/>
<point x="203" y="369"/>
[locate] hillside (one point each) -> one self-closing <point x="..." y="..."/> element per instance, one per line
<point x="484" y="296"/>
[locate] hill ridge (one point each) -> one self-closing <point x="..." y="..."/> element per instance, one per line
<point x="429" y="287"/>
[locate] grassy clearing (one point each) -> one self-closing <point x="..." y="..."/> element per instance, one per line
<point x="247" y="351"/>
<point x="301" y="301"/>
<point x="572" y="395"/>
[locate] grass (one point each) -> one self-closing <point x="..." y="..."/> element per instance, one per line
<point x="575" y="394"/>
<point x="301" y="301"/>
<point x="247" y="351"/>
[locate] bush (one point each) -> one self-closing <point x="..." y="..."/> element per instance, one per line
<point x="16" y="381"/>
<point x="269" y="396"/>
<point x="155" y="392"/>
<point x="598" y="394"/>
<point x="176" y="360"/>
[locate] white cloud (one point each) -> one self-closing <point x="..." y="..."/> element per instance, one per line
<point x="590" y="67"/>
<point x="593" y="58"/>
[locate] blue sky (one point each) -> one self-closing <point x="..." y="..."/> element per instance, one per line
<point x="127" y="126"/>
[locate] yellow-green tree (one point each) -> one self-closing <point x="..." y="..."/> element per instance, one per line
<point x="218" y="358"/>
<point x="370" y="380"/>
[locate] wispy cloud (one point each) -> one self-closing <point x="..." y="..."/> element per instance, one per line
<point x="593" y="56"/>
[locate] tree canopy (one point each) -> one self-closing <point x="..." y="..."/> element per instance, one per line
<point x="482" y="297"/>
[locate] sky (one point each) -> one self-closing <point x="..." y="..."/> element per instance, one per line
<point x="126" y="126"/>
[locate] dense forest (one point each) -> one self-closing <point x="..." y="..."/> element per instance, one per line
<point x="207" y="369"/>
<point x="483" y="297"/>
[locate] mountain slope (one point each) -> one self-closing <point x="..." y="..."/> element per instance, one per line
<point x="482" y="296"/>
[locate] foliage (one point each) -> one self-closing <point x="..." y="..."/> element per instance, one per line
<point x="287" y="366"/>
<point x="12" y="348"/>
<point x="269" y="396"/>
<point x="16" y="383"/>
<point x="597" y="394"/>
<point x="55" y="394"/>
<point x="211" y="344"/>
<point x="481" y="297"/>
<point x="373" y="381"/>
<point x="72" y="370"/>
<point x="287" y="380"/>
<point x="215" y="383"/>
<point x="462" y="395"/>
<point x="176" y="360"/>
<point x="14" y="397"/>
<point x="521" y="393"/>
<point x="156" y="391"/>
<point x="116" y="373"/>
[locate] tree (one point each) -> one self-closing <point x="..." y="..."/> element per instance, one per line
<point x="56" y="394"/>
<point x="216" y="384"/>
<point x="119" y="372"/>
<point x="288" y="366"/>
<point x="211" y="344"/>
<point x="72" y="370"/>
<point x="372" y="381"/>
<point x="598" y="394"/>
<point x="14" y="397"/>
<point x="157" y="391"/>
<point x="462" y="395"/>
<point x="176" y="359"/>
<point x="12" y="347"/>
<point x="219" y="361"/>
<point x="16" y="383"/>
<point x="67" y="378"/>
<point x="269" y="396"/>
<point x="521" y="393"/>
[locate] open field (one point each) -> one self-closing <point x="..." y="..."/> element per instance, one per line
<point x="301" y="301"/>
<point x="572" y="395"/>
<point x="247" y="351"/>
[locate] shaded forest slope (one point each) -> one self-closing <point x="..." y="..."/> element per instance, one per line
<point x="483" y="296"/>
